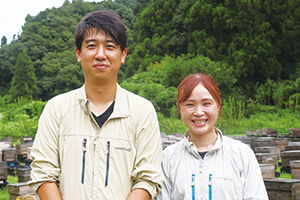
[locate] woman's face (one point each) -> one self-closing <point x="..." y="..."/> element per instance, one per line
<point x="199" y="112"/>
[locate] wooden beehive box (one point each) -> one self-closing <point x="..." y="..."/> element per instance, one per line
<point x="266" y="132"/>
<point x="286" y="157"/>
<point x="262" y="142"/>
<point x="19" y="189"/>
<point x="270" y="149"/>
<point x="294" y="132"/>
<point x="267" y="171"/>
<point x="27" y="139"/>
<point x="281" y="143"/>
<point x="283" y="189"/>
<point x="250" y="133"/>
<point x="292" y="148"/>
<point x="295" y="169"/>
<point x="7" y="140"/>
<point x="9" y="154"/>
<point x="22" y="148"/>
<point x="3" y="170"/>
<point x="23" y="174"/>
<point x="245" y="139"/>
<point x="267" y="158"/>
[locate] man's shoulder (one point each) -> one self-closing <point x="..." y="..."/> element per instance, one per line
<point x="66" y="98"/>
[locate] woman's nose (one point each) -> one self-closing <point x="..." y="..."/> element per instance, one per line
<point x="198" y="111"/>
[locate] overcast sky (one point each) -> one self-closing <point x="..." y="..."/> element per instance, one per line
<point x="13" y="13"/>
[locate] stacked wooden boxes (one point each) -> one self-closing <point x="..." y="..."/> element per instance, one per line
<point x="262" y="142"/>
<point x="9" y="154"/>
<point x="285" y="189"/>
<point x="286" y="157"/>
<point x="281" y="143"/>
<point x="293" y="146"/>
<point x="294" y="132"/>
<point x="267" y="158"/>
<point x="267" y="132"/>
<point x="3" y="174"/>
<point x="267" y="171"/>
<point x="168" y="140"/>
<point x="21" y="191"/>
<point x="22" y="148"/>
<point x="268" y="149"/>
<point x="295" y="169"/>
<point x="23" y="174"/>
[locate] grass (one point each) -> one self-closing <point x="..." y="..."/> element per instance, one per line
<point x="3" y="192"/>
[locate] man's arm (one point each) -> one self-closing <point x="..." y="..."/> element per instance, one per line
<point x="139" y="194"/>
<point x="49" y="191"/>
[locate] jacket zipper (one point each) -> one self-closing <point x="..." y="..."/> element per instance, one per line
<point x="107" y="163"/>
<point x="83" y="159"/>
<point x="209" y="187"/>
<point x="193" y="186"/>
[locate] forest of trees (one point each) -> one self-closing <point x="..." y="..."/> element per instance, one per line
<point x="250" y="47"/>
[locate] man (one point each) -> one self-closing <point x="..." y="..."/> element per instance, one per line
<point x="99" y="141"/>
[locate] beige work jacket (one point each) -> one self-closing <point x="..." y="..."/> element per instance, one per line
<point x="89" y="162"/>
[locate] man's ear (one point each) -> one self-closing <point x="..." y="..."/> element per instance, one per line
<point x="124" y="54"/>
<point x="78" y="54"/>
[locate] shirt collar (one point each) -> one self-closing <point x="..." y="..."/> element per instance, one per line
<point x="121" y="107"/>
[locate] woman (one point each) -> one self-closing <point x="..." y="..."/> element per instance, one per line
<point x="206" y="164"/>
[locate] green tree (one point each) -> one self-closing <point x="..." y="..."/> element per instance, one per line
<point x="24" y="81"/>
<point x="3" y="41"/>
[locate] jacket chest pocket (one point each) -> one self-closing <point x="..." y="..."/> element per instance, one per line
<point x="119" y="161"/>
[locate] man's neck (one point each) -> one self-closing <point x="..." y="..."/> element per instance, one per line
<point x="100" y="96"/>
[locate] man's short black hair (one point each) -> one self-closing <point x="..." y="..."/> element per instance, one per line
<point x="107" y="22"/>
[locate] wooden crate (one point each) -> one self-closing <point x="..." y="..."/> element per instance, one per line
<point x="27" y="139"/>
<point x="267" y="158"/>
<point x="286" y="157"/>
<point x="271" y="150"/>
<point x="295" y="169"/>
<point x="22" y="148"/>
<point x="292" y="148"/>
<point x="283" y="189"/>
<point x="7" y="140"/>
<point x="3" y="170"/>
<point x="267" y="171"/>
<point x="262" y="142"/>
<point x="23" y="174"/>
<point x="281" y="143"/>
<point x="250" y="133"/>
<point x="9" y="154"/>
<point x="245" y="139"/>
<point x="266" y="132"/>
<point x="294" y="132"/>
<point x="19" y="189"/>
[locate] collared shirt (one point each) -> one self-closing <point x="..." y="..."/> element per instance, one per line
<point x="228" y="171"/>
<point x="89" y="162"/>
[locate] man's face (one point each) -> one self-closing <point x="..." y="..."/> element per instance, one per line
<point x="100" y="57"/>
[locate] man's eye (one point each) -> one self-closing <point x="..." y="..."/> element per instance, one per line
<point x="111" y="46"/>
<point x="91" y="46"/>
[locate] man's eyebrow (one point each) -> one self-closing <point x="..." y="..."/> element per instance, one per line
<point x="90" y="40"/>
<point x="94" y="40"/>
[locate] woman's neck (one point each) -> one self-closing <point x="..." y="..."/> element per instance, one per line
<point x="204" y="142"/>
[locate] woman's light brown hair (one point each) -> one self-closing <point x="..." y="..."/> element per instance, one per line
<point x="187" y="85"/>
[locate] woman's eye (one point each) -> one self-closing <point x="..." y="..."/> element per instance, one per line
<point x="189" y="105"/>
